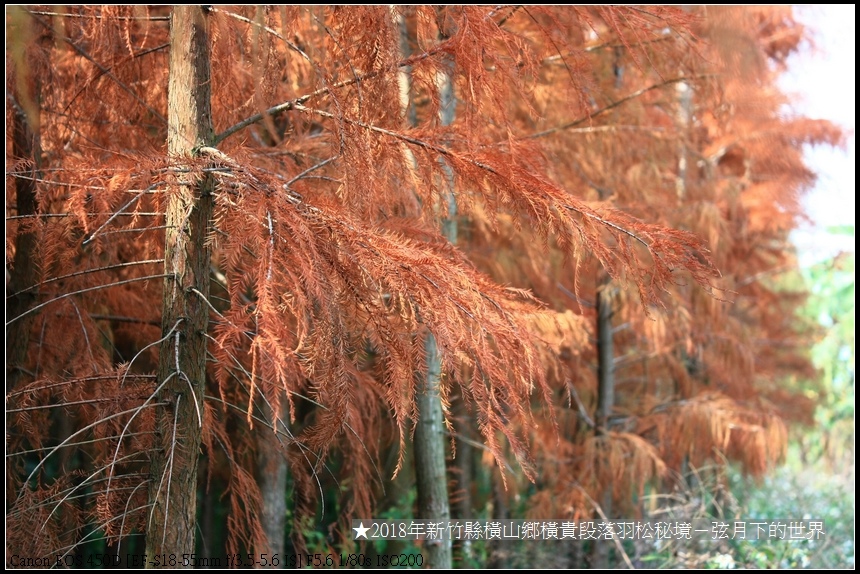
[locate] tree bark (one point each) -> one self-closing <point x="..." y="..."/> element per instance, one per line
<point x="272" y="472"/>
<point x="605" y="402"/>
<point x="430" y="469"/>
<point x="498" y="551"/>
<point x="21" y="280"/>
<point x="181" y="374"/>
<point x="605" y="367"/>
<point x="461" y="507"/>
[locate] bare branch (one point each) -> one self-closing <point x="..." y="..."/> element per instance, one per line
<point x="617" y="103"/>
<point x="87" y="290"/>
<point x="106" y="71"/>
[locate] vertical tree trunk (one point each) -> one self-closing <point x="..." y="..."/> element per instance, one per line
<point x="181" y="374"/>
<point x="685" y="104"/>
<point x="498" y="551"/>
<point x="21" y="279"/>
<point x="461" y="507"/>
<point x="605" y="367"/>
<point x="605" y="402"/>
<point x="430" y="469"/>
<point x="685" y="100"/>
<point x="272" y="473"/>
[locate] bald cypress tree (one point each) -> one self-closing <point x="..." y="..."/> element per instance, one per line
<point x="328" y="280"/>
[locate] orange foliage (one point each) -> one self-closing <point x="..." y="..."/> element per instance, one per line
<point x="327" y="274"/>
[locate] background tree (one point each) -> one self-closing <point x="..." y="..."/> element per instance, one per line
<point x="327" y="279"/>
<point x="702" y="378"/>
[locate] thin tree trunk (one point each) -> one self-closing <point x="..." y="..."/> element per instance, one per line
<point x="498" y="551"/>
<point x="685" y="97"/>
<point x="430" y="469"/>
<point x="272" y="472"/>
<point x="461" y="507"/>
<point x="22" y="278"/>
<point x="605" y="367"/>
<point x="21" y="292"/>
<point x="605" y="402"/>
<point x="574" y="555"/>
<point x="431" y="480"/>
<point x="181" y="374"/>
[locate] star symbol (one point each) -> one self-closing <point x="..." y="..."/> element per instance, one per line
<point x="360" y="531"/>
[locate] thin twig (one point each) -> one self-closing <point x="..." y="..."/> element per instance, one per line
<point x="182" y="375"/>
<point x="291" y="104"/>
<point x="99" y="16"/>
<point x="56" y="406"/>
<point x="312" y="168"/>
<point x="581" y="407"/>
<point x="125" y="513"/>
<point x="124" y="319"/>
<point x="71" y="444"/>
<point x="84" y="272"/>
<point x="136" y="411"/>
<point x="158" y="342"/>
<point x="105" y="71"/>
<point x="88" y="289"/>
<point x="73" y="435"/>
<point x="170" y="466"/>
<point x="117" y="213"/>
<point x="78" y="486"/>
<point x="617" y="103"/>
<point x="615" y="539"/>
<point x="72" y="382"/>
<point x="90" y="214"/>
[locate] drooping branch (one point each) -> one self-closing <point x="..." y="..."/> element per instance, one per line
<point x="670" y="249"/>
<point x="295" y="103"/>
<point x="106" y="71"/>
<point x="85" y="290"/>
<point x="617" y="103"/>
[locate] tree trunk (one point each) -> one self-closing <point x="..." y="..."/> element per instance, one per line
<point x="685" y="97"/>
<point x="605" y="367"/>
<point x="461" y="507"/>
<point x="181" y="374"/>
<point x="430" y="468"/>
<point x="21" y="280"/>
<point x="605" y="402"/>
<point x="272" y="472"/>
<point x="431" y="477"/>
<point x="498" y="551"/>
